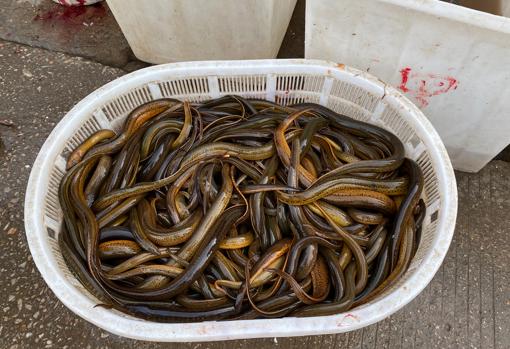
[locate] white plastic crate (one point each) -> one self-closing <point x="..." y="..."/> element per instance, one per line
<point x="341" y="88"/>
<point x="163" y="31"/>
<point x="449" y="60"/>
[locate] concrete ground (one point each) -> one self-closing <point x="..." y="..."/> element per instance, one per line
<point x="89" y="31"/>
<point x="466" y="305"/>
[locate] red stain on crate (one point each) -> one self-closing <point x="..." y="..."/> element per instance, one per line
<point x="405" y="78"/>
<point x="423" y="86"/>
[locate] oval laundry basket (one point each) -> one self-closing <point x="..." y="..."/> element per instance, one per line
<point x="343" y="89"/>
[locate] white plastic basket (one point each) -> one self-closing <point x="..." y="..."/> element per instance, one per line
<point x="341" y="88"/>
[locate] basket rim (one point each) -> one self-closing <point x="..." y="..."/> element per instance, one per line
<point x="239" y="329"/>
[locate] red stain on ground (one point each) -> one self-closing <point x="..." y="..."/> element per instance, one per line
<point x="423" y="86"/>
<point x="72" y="14"/>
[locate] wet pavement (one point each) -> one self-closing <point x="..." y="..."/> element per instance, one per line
<point x="89" y="31"/>
<point x="466" y="305"/>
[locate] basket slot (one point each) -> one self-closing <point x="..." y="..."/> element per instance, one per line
<point x="52" y="211"/>
<point x="414" y="141"/>
<point x="434" y="216"/>
<point x="192" y="89"/>
<point x="60" y="163"/>
<point x="125" y="103"/>
<point x="326" y="91"/>
<point x="431" y="183"/>
<point x="297" y="97"/>
<point x="51" y="233"/>
<point x="426" y="242"/>
<point x="424" y="247"/>
<point x="250" y="86"/>
<point x="428" y="233"/>
<point x="348" y="108"/>
<point x="64" y="268"/>
<point x="55" y="248"/>
<point x="90" y="126"/>
<point x="154" y="90"/>
<point x="415" y="151"/>
<point x="355" y="95"/>
<point x="292" y="89"/>
<point x="393" y="121"/>
<point x="101" y="119"/>
<point x="306" y="83"/>
<point x="52" y="205"/>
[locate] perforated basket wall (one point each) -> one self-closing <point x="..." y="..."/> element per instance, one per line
<point x="340" y="88"/>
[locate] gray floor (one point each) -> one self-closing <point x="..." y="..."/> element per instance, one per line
<point x="466" y="305"/>
<point x="89" y="31"/>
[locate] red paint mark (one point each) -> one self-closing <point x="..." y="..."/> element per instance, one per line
<point x="452" y="82"/>
<point x="422" y="93"/>
<point x="423" y="86"/>
<point x="72" y="14"/>
<point x="405" y="78"/>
